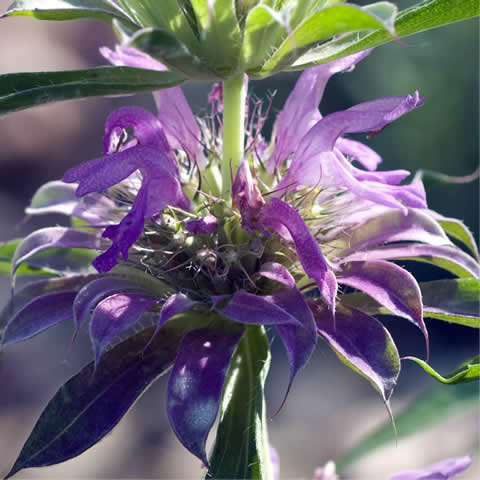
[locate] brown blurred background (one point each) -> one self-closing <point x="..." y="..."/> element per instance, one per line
<point x="329" y="408"/>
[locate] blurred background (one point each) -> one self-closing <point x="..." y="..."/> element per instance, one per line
<point x="330" y="408"/>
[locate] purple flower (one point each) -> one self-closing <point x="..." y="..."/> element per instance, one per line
<point x="303" y="224"/>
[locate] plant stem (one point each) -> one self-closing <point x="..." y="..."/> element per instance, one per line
<point x="241" y="447"/>
<point x="234" y="97"/>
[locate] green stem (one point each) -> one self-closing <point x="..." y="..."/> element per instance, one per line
<point x="241" y="446"/>
<point x="234" y="97"/>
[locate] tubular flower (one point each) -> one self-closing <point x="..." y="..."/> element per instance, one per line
<point x="304" y="223"/>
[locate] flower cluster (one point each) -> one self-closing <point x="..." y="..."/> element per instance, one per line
<point x="310" y="217"/>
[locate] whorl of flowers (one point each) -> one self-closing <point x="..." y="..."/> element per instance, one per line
<point x="310" y="216"/>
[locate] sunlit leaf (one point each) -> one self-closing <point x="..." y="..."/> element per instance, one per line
<point x="327" y="23"/>
<point x="104" y="10"/>
<point x="418" y="18"/>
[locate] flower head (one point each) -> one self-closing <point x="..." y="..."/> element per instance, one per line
<point x="304" y="223"/>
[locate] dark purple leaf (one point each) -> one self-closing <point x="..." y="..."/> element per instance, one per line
<point x="390" y="285"/>
<point x="300" y="340"/>
<point x="114" y="315"/>
<point x="86" y="408"/>
<point x="196" y="383"/>
<point x="38" y="315"/>
<point x="278" y="273"/>
<point x="363" y="344"/>
<point x="37" y="289"/>
<point x="92" y="293"/>
<point x="255" y="310"/>
<point x="174" y="305"/>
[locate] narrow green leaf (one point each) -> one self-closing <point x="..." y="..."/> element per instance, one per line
<point x="452" y="300"/>
<point x="86" y="408"/>
<point x="468" y="371"/>
<point x="241" y="443"/>
<point x="166" y="48"/>
<point x="104" y="10"/>
<point x="7" y="249"/>
<point x="19" y="91"/>
<point x="418" y="18"/>
<point x="425" y="411"/>
<point x="327" y="23"/>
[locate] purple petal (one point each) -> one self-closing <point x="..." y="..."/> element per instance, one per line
<point x="391" y="286"/>
<point x="205" y="226"/>
<point x="113" y="316"/>
<point x="331" y="169"/>
<point x="247" y="197"/>
<point x="53" y="237"/>
<point x="394" y="226"/>
<point x="92" y="293"/>
<point x="439" y="471"/>
<point x="174" y="113"/>
<point x="174" y="305"/>
<point x="130" y="57"/>
<point x="300" y="112"/>
<point x="179" y="123"/>
<point x="365" y="155"/>
<point x="160" y="188"/>
<point x="147" y="130"/>
<point x="102" y="173"/>
<point x="196" y="383"/>
<point x="253" y="309"/>
<point x="449" y="258"/>
<point x="300" y="340"/>
<point x="278" y="273"/>
<point x="38" y="315"/>
<point x="309" y="253"/>
<point x="317" y="146"/>
<point x="363" y="343"/>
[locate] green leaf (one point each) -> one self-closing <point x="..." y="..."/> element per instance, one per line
<point x="220" y="35"/>
<point x="88" y="407"/>
<point x="168" y="16"/>
<point x="241" y="445"/>
<point x="418" y="18"/>
<point x="327" y="23"/>
<point x="468" y="371"/>
<point x="453" y="300"/>
<point x="425" y="411"/>
<point x="459" y="231"/>
<point x="104" y="10"/>
<point x="166" y="48"/>
<point x="19" y="91"/>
